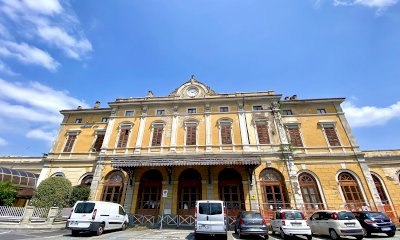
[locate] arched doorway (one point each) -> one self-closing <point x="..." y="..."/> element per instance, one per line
<point x="189" y="191"/>
<point x="113" y="187"/>
<point x="149" y="194"/>
<point x="310" y="192"/>
<point x="231" y="190"/>
<point x="274" y="192"/>
<point x="351" y="191"/>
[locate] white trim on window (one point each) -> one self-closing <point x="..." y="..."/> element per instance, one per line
<point x="191" y="123"/>
<point x="320" y="189"/>
<point x="261" y="120"/>
<point x="129" y="113"/>
<point x="225" y="121"/>
<point x="220" y="107"/>
<point x="332" y="124"/>
<point x="160" y="112"/>
<point x="191" y="108"/>
<point x="122" y="126"/>
<point x="254" y="107"/>
<point x="153" y="125"/>
<point x="360" y="186"/>
<point x="384" y="188"/>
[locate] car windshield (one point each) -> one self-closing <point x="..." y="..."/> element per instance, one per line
<point x="84" y="207"/>
<point x="251" y="215"/>
<point x="293" y="216"/>
<point x="210" y="208"/>
<point x="377" y="215"/>
<point x="345" y="215"/>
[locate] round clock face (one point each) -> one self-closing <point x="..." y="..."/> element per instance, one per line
<point x="192" y="92"/>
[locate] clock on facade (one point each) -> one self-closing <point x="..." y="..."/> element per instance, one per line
<point x="191" y="92"/>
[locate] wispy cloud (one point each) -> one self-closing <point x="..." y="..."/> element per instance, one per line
<point x="30" y="26"/>
<point x="3" y="142"/>
<point x="367" y="116"/>
<point x="5" y="69"/>
<point x="380" y="5"/>
<point x="36" y="105"/>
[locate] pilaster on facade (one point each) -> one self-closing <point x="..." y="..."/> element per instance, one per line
<point x="107" y="135"/>
<point x="207" y="117"/>
<point x="347" y="128"/>
<point x="142" y="125"/>
<point x="174" y="129"/>
<point x="243" y="127"/>
<point x="94" y="187"/>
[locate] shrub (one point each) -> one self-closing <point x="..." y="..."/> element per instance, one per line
<point x="52" y="192"/>
<point x="79" y="193"/>
<point x="8" y="193"/>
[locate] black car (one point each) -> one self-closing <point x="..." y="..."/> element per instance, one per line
<point x="251" y="223"/>
<point x="375" y="222"/>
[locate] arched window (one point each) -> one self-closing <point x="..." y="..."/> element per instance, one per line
<point x="113" y="187"/>
<point x="231" y="190"/>
<point x="189" y="191"/>
<point x="87" y="180"/>
<point x="58" y="174"/>
<point x="381" y="190"/>
<point x="310" y="192"/>
<point x="351" y="191"/>
<point x="273" y="190"/>
<point x="149" y="194"/>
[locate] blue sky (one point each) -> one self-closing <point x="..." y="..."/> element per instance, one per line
<point x="60" y="54"/>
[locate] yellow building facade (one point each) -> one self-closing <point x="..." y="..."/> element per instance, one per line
<point x="254" y="150"/>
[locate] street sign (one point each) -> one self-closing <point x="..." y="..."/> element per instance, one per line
<point x="165" y="193"/>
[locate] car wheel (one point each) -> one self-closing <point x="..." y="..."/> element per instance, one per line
<point x="100" y="229"/>
<point x="266" y="236"/>
<point x="309" y="237"/>
<point x="333" y="234"/>
<point x="239" y="233"/>
<point x="75" y="233"/>
<point x="197" y="236"/>
<point x="283" y="235"/>
<point x="366" y="233"/>
<point x="124" y="226"/>
<point x="391" y="234"/>
<point x="359" y="237"/>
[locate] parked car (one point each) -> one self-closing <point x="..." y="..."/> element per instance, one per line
<point x="210" y="218"/>
<point x="96" y="216"/>
<point x="289" y="222"/>
<point x="335" y="223"/>
<point x="375" y="222"/>
<point x="251" y="223"/>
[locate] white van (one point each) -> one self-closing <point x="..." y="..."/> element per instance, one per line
<point x="97" y="216"/>
<point x="210" y="218"/>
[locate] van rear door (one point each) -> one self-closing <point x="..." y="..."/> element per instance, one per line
<point x="210" y="217"/>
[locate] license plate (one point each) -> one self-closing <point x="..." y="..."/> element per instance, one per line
<point x="350" y="224"/>
<point x="386" y="229"/>
<point x="73" y="223"/>
<point x="296" y="223"/>
<point x="203" y="227"/>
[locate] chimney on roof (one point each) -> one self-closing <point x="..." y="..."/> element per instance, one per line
<point x="286" y="98"/>
<point x="150" y="93"/>
<point x="97" y="104"/>
<point x="294" y="97"/>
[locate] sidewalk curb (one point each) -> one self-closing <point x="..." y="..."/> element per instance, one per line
<point x="18" y="227"/>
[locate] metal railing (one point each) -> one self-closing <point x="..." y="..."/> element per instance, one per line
<point x="11" y="214"/>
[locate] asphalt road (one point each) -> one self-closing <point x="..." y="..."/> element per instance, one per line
<point x="144" y="234"/>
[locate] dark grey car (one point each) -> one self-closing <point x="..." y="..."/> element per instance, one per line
<point x="251" y="223"/>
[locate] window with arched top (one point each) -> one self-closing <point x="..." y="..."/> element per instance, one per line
<point x="310" y="192"/>
<point x="274" y="192"/>
<point x="113" y="187"/>
<point x="231" y="190"/>
<point x="149" y="194"/>
<point x="58" y="174"/>
<point x="87" y="180"/>
<point x="189" y="191"/>
<point x="380" y="188"/>
<point x="351" y="191"/>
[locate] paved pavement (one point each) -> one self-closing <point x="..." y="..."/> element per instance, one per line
<point x="141" y="234"/>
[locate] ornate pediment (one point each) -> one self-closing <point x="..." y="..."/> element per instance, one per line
<point x="192" y="89"/>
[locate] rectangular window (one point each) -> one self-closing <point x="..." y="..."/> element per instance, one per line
<point x="123" y="138"/>
<point x="191" y="134"/>
<point x="192" y="110"/>
<point x="262" y="133"/>
<point x="70" y="143"/>
<point x="223" y="109"/>
<point x="128" y="113"/>
<point x="157" y="136"/>
<point x="257" y="108"/>
<point x="104" y="119"/>
<point x="98" y="142"/>
<point x="226" y="137"/>
<point x="321" y="111"/>
<point x="78" y="120"/>
<point x="287" y="112"/>
<point x="331" y="135"/>
<point x="160" y="112"/>
<point x="295" y="138"/>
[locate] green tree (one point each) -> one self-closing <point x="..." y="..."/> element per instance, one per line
<point x="52" y="192"/>
<point x="8" y="193"/>
<point x="79" y="193"/>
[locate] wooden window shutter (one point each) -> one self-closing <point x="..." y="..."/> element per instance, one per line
<point x="332" y="136"/>
<point x="191" y="135"/>
<point x="123" y="138"/>
<point x="70" y="143"/>
<point x="295" y="137"/>
<point x="262" y="132"/>
<point x="157" y="136"/>
<point x="226" y="137"/>
<point x="98" y="142"/>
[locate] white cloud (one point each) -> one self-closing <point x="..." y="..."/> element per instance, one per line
<point x="380" y="4"/>
<point x="5" y="69"/>
<point x="40" y="134"/>
<point x="28" y="54"/>
<point x="369" y="115"/>
<point x="3" y="142"/>
<point x="35" y="22"/>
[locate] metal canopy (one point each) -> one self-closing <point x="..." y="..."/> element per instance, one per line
<point x="185" y="161"/>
